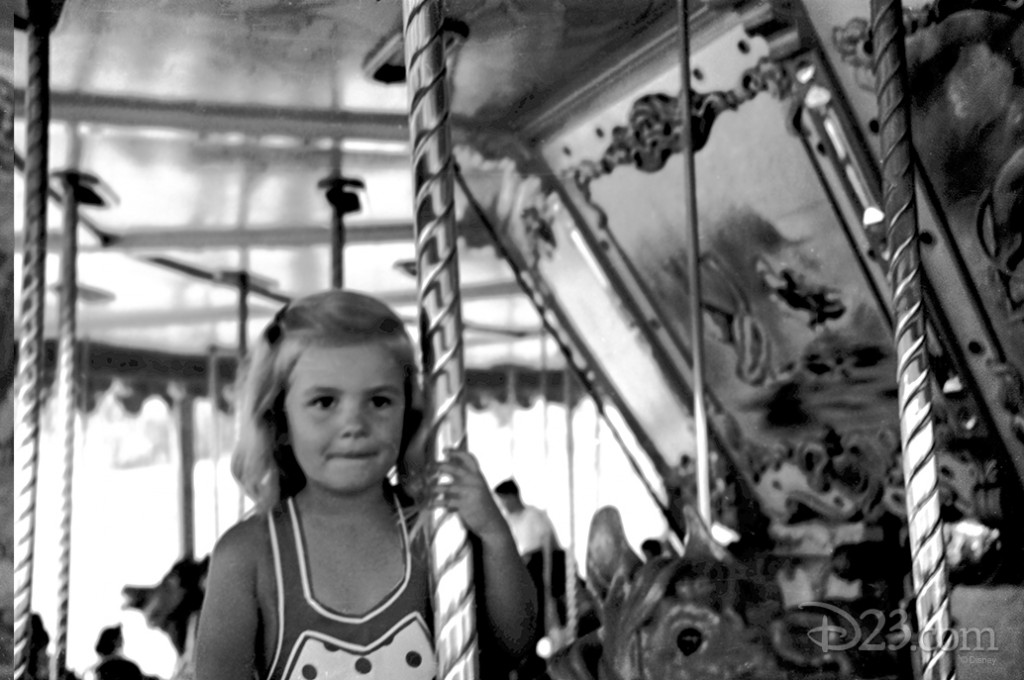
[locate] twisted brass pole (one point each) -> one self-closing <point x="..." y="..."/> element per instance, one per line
<point x="68" y="398"/>
<point x="920" y="468"/>
<point x="30" y="333"/>
<point x="440" y="321"/>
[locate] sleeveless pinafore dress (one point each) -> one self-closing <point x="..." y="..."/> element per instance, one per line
<point x="391" y="641"/>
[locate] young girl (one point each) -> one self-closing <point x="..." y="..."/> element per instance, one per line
<point x="329" y="577"/>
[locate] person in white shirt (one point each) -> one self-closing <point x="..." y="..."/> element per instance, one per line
<point x="535" y="539"/>
<point x="531" y="527"/>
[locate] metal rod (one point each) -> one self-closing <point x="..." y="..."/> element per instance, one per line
<point x="143" y="237"/>
<point x="597" y="453"/>
<point x="920" y="467"/>
<point x="213" y="390"/>
<point x="696" y="312"/>
<point x="337" y="227"/>
<point x="511" y="385"/>
<point x="67" y="397"/>
<point x="547" y="603"/>
<point x="246" y="183"/>
<point x="185" y="411"/>
<point x="30" y="336"/>
<point x="341" y="194"/>
<point x="243" y="313"/>
<point x="243" y="342"/>
<point x="440" y="326"/>
<point x="338" y="250"/>
<point x="544" y="395"/>
<point x="208" y="116"/>
<point x="571" y="604"/>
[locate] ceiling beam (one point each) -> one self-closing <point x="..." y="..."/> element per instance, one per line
<point x="98" y="320"/>
<point x="211" y="238"/>
<point x="219" y="117"/>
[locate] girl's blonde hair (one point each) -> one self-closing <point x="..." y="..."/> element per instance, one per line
<point x="263" y="461"/>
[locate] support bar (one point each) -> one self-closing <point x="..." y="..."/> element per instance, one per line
<point x="686" y="137"/>
<point x="197" y="116"/>
<point x="153" y="238"/>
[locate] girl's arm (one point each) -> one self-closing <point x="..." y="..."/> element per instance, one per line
<point x="507" y="598"/>
<point x="228" y="622"/>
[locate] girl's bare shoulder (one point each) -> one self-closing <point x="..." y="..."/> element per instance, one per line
<point x="244" y="543"/>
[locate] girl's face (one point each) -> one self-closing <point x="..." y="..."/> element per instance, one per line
<point x="345" y="408"/>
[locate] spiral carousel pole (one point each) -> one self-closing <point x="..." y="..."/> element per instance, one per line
<point x="30" y="333"/>
<point x="74" y="185"/>
<point x="920" y="468"/>
<point x="440" y="321"/>
<point x="703" y="455"/>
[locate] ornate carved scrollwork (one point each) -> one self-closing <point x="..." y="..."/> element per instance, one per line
<point x="652" y="132"/>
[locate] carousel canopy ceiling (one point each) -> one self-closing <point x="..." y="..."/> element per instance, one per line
<point x="210" y="126"/>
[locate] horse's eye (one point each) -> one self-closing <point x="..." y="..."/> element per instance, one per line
<point x="689" y="640"/>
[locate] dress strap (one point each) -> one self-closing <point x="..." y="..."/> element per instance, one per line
<point x="275" y="549"/>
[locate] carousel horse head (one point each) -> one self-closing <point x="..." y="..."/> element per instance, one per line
<point x="966" y="101"/>
<point x="172" y="604"/>
<point x="701" y="615"/>
<point x="671" y="617"/>
<point x="968" y="127"/>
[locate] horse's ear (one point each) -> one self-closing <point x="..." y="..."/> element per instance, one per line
<point x="608" y="552"/>
<point x="202" y="570"/>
